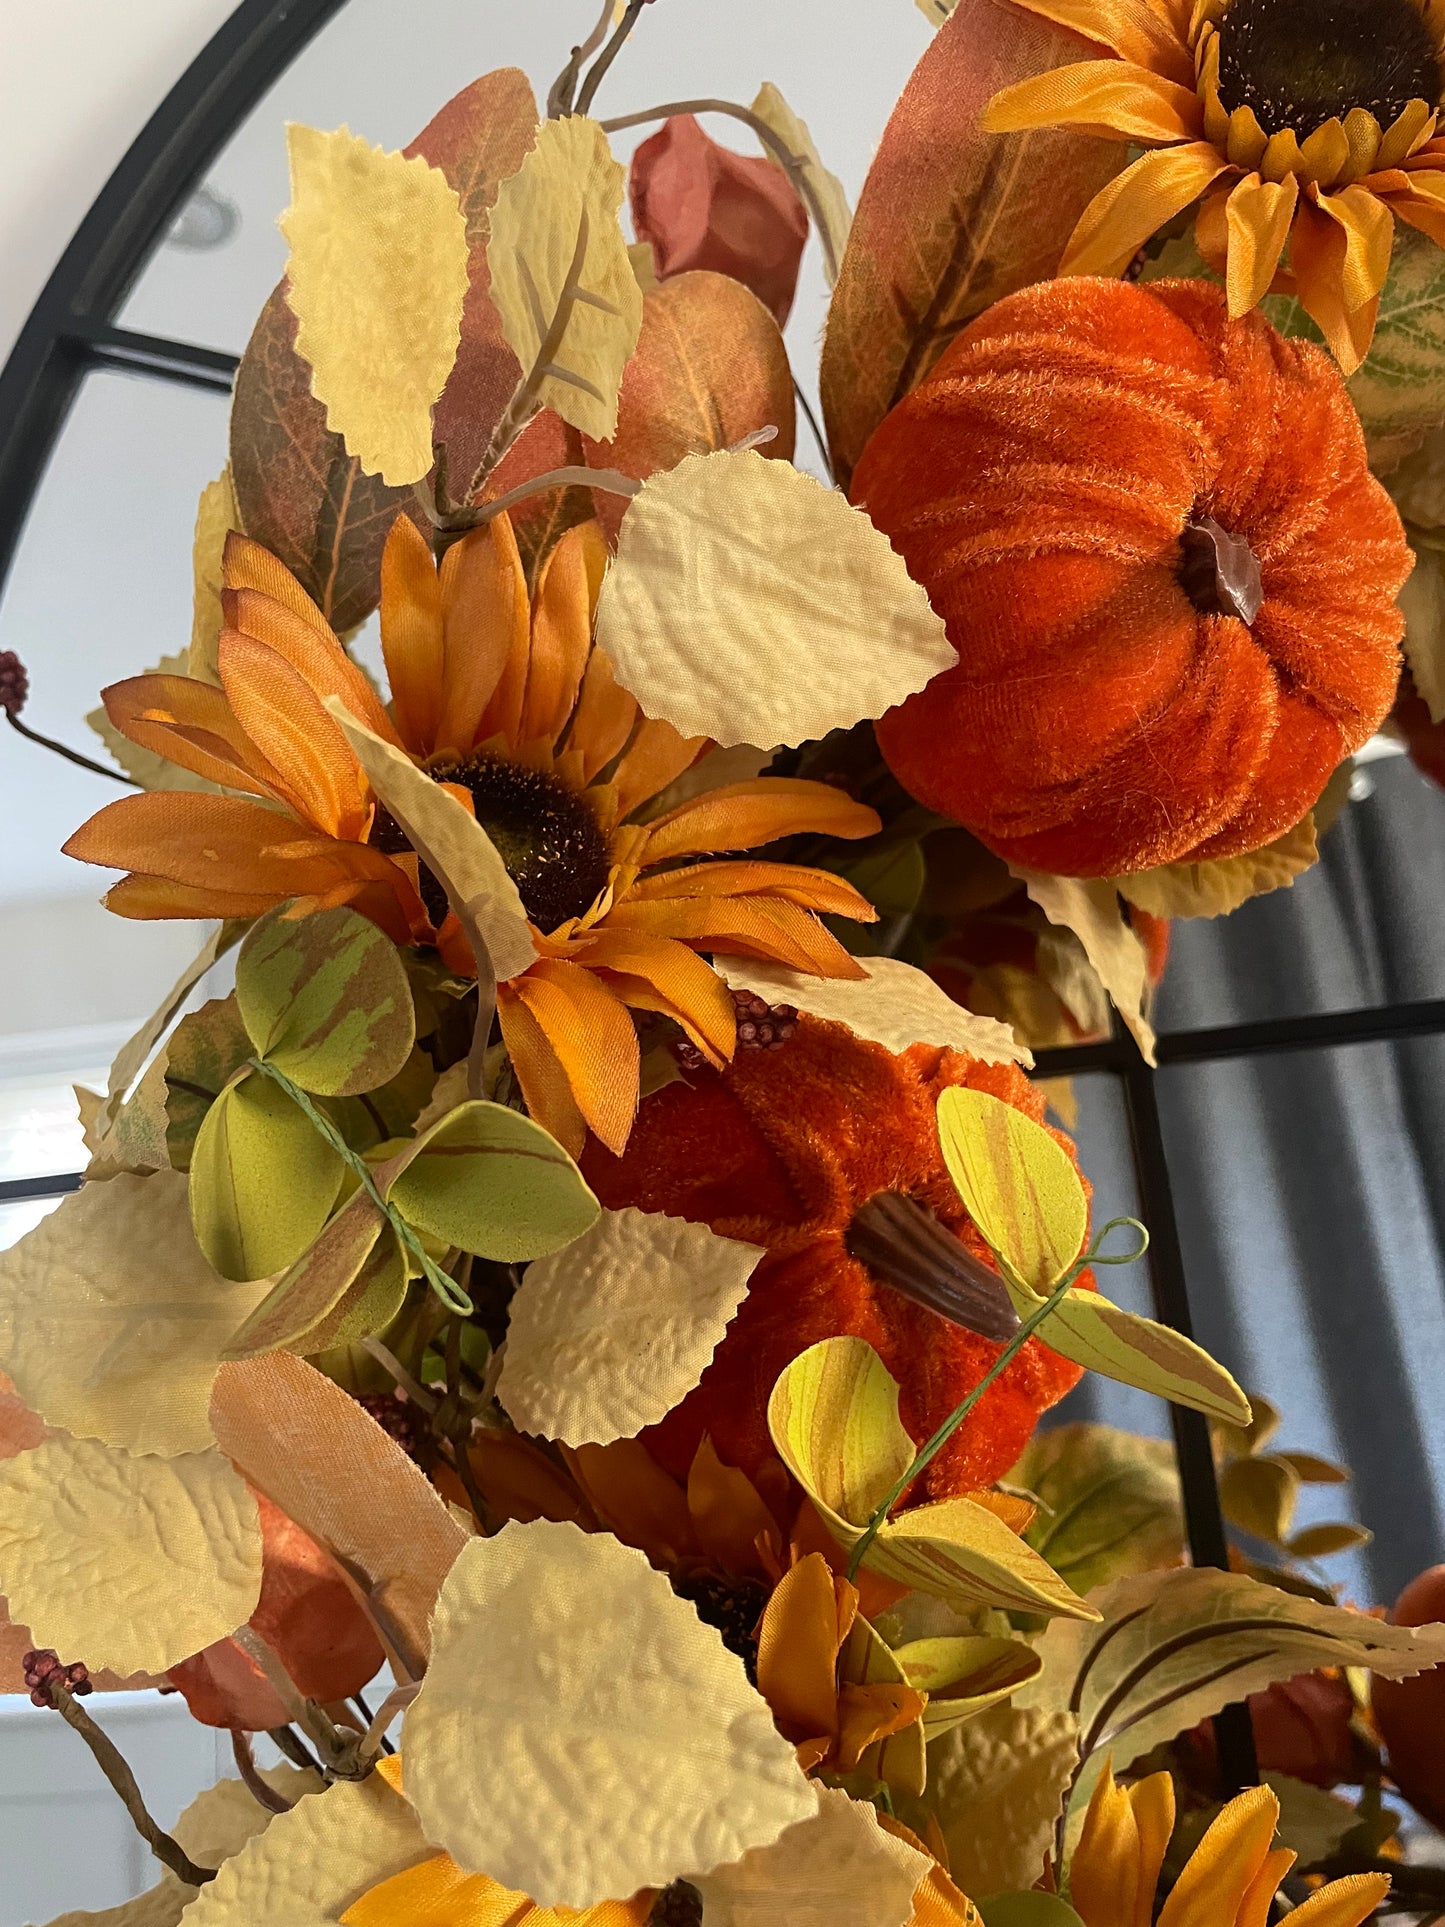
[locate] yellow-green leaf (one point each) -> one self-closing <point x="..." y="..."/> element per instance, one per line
<point x="377" y="276"/>
<point x="1102" y="1337"/>
<point x="319" y="1280"/>
<point x="561" y="277"/>
<point x="965" y="1676"/>
<point x="962" y="1552"/>
<point x="492" y="1182"/>
<point x="205" y="1051"/>
<point x="900" y="1760"/>
<point x="1318" y="1542"/>
<point x="1109" y="1502"/>
<point x="1215" y="889"/>
<point x="263" y="1180"/>
<point x="133" y="1054"/>
<point x="1018" y="1184"/>
<point x="326" y="1000"/>
<point x="1258" y="1495"/>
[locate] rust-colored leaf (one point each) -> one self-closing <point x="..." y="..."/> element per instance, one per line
<point x="950" y="218"/>
<point x="710" y="367"/>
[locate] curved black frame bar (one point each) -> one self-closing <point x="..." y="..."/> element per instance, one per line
<point x="72" y="330"/>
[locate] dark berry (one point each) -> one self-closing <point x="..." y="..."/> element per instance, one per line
<point x="14" y="683"/>
<point x="403" y="1421"/>
<point x="679" y="1905"/>
<point x="733" y="1606"/>
<point x="43" y="1670"/>
<point x="761" y="1026"/>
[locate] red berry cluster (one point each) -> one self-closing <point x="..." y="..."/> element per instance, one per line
<point x="761" y="1026"/>
<point x="43" y="1670"/>
<point x="403" y="1421"/>
<point x="14" y="683"/>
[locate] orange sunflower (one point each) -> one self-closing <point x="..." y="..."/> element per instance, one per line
<point x="509" y="704"/>
<point x="1307" y="123"/>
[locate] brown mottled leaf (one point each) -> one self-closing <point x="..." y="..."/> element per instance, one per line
<point x="951" y="219"/>
<point x="709" y="368"/>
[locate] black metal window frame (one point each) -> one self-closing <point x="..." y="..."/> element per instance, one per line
<point x="72" y="330"/>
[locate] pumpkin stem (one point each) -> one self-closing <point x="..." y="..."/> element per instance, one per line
<point x="903" y="1244"/>
<point x="1219" y="571"/>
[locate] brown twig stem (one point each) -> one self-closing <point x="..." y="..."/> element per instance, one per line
<point x="70" y="755"/>
<point x="610" y="480"/>
<point x="598" y="72"/>
<point x="336" y="1749"/>
<point x="564" y="87"/>
<point x="264" y="1795"/>
<point x="112" y="1763"/>
<point x="396" y="1701"/>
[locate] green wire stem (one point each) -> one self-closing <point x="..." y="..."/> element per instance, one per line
<point x="447" y="1289"/>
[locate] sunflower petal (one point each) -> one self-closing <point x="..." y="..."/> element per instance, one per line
<point x="190" y="723"/>
<point x="1343" y="1903"/>
<point x="246" y="565"/>
<point x="798" y="1644"/>
<point x="1254" y="1908"/>
<point x="1222" y="1868"/>
<point x="320" y="661"/>
<point x="152" y="899"/>
<point x="682" y="984"/>
<point x="1136" y="204"/>
<point x="1339" y="250"/>
<point x="1152" y="1800"/>
<point x="1422" y="206"/>
<point x="604" y="718"/>
<point x="539" y="1072"/>
<point x="817" y="890"/>
<point x="656" y="756"/>
<point x="1131" y="28"/>
<point x="487" y="626"/>
<point x="1408" y="133"/>
<point x="748" y="926"/>
<point x="281" y="713"/>
<point x="595" y="1042"/>
<point x="1363" y="138"/>
<point x="411" y="634"/>
<point x="740" y="816"/>
<point x="562" y="629"/>
<point x="1259" y="214"/>
<point x="1106" y="1875"/>
<point x="1114" y="99"/>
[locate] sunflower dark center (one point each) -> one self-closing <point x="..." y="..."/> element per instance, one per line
<point x="1299" y="63"/>
<point x="546" y="835"/>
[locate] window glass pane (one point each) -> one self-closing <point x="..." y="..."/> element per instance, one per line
<point x="18" y="1218"/>
<point x="385" y="71"/>
<point x="1311" y="1192"/>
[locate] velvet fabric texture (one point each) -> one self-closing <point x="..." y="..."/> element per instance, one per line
<point x="1100" y="720"/>
<point x="781" y="1149"/>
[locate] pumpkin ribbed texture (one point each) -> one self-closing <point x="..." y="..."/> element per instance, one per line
<point x="1038" y="485"/>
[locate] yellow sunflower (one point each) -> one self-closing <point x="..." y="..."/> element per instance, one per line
<point x="510" y="705"/>
<point x="1307" y="123"/>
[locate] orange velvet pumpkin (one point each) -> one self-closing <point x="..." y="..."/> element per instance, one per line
<point x="782" y="1148"/>
<point x="1061" y="485"/>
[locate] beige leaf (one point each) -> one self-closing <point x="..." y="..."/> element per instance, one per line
<point x="452" y="844"/>
<point x="1090" y="908"/>
<point x="136" y="1141"/>
<point x="310" y="1864"/>
<point x="644" y="265"/>
<point x="893" y="1005"/>
<point x="1423" y="601"/>
<point x="151" y="771"/>
<point x="112" y="1324"/>
<point x="607" y="1335"/>
<point x="216" y="516"/>
<point x="1064" y="966"/>
<point x="580" y="1732"/>
<point x="935" y="12"/>
<point x="829" y="200"/>
<point x="729" y="559"/>
<point x="562" y="279"/>
<point x="127" y="1562"/>
<point x="329" y="1466"/>
<point x="997" y="1784"/>
<point x="837" y="1867"/>
<point x="1214" y="889"/>
<point x="377" y="277"/>
<point x="133" y="1054"/>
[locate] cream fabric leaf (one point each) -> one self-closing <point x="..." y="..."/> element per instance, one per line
<point x="377" y="276"/>
<point x="112" y="1324"/>
<point x="1215" y="889"/>
<point x="561" y="276"/>
<point x="893" y="1005"/>
<point x="136" y="1141"/>
<point x="828" y="190"/>
<point x="310" y="1864"/>
<point x="133" y="1054"/>
<point x="216" y="516"/>
<point x="151" y="771"/>
<point x="608" y="1334"/>
<point x="452" y="844"/>
<point x="997" y="1784"/>
<point x="1090" y="908"/>
<point x="838" y="1868"/>
<point x="580" y="1733"/>
<point x="729" y="560"/>
<point x="128" y="1562"/>
<point x="1423" y="601"/>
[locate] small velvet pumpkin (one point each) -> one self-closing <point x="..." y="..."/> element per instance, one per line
<point x="1167" y="570"/>
<point x="782" y="1149"/>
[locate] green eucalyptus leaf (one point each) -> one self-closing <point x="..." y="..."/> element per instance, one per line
<point x="369" y="1304"/>
<point x="315" y="1284"/>
<point x="325" y="999"/>
<point x="205" y="1051"/>
<point x="490" y="1181"/>
<point x="263" y="1180"/>
<point x="1109" y="1502"/>
<point x="964" y="1676"/>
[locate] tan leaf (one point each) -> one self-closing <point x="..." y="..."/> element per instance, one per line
<point x="310" y="1864"/>
<point x="1090" y="908"/>
<point x="1215" y="889"/>
<point x="136" y="1141"/>
<point x="112" y="1324"/>
<point x="551" y="1648"/>
<point x="562" y="280"/>
<point x="935" y="11"/>
<point x="997" y="1785"/>
<point x="1423" y="601"/>
<point x="151" y="771"/>
<point x="1110" y="1502"/>
<point x="729" y="545"/>
<point x="133" y="1054"/>
<point x="216" y="516"/>
<point x="127" y="1562"/>
<point x="1174" y="1647"/>
<point x="329" y="1466"/>
<point x="452" y="844"/>
<point x="1064" y="966"/>
<point x="828" y="203"/>
<point x="838" y="1866"/>
<point x="378" y="275"/>
<point x="893" y="1005"/>
<point x="607" y="1335"/>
